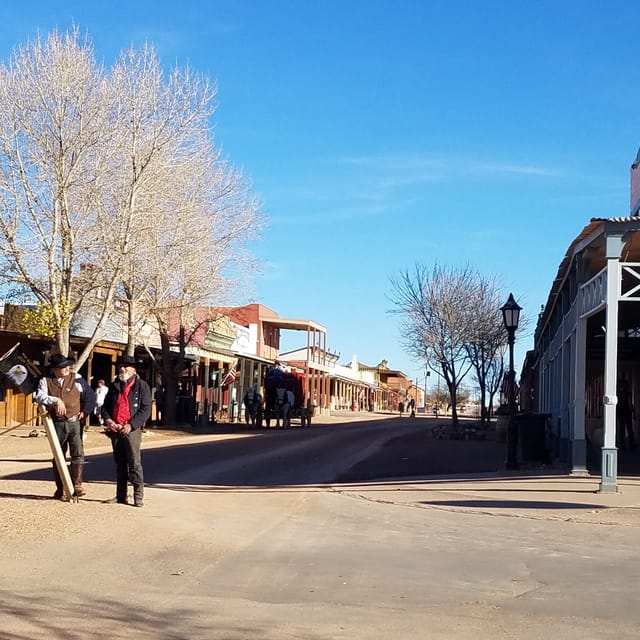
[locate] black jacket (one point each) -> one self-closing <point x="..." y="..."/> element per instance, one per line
<point x="139" y="402"/>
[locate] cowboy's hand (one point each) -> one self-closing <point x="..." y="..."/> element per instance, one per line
<point x="112" y="425"/>
<point x="125" y="429"/>
<point x="61" y="409"/>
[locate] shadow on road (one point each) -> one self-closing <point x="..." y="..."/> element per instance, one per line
<point x="265" y="457"/>
<point x="510" y="504"/>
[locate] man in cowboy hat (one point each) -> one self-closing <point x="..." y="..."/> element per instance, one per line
<point x="69" y="400"/>
<point x="126" y="409"/>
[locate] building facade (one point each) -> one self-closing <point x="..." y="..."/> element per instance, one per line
<point x="587" y="347"/>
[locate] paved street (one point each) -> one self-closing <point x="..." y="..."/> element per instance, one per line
<point x="249" y="535"/>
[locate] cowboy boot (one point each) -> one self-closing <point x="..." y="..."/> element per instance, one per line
<point x="76" y="478"/>
<point x="122" y="483"/>
<point x="59" y="492"/>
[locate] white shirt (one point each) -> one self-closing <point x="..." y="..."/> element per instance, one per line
<point x="101" y="394"/>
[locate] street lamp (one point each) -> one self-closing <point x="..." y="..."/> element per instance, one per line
<point x="511" y="317"/>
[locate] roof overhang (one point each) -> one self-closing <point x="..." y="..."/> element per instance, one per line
<point x="597" y="227"/>
<point x="294" y="325"/>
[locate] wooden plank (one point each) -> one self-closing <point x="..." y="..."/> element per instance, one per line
<point x="58" y="457"/>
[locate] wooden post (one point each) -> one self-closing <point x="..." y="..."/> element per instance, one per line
<point x="58" y="458"/>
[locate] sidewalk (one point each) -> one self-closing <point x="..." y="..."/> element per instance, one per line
<point x="547" y="493"/>
<point x="533" y="496"/>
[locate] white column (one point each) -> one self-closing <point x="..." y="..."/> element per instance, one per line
<point x="609" y="472"/>
<point x="578" y="440"/>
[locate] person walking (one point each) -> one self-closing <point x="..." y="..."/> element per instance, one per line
<point x="624" y="416"/>
<point x="126" y="409"/>
<point x="101" y="393"/>
<point x="69" y="400"/>
<point x="160" y="400"/>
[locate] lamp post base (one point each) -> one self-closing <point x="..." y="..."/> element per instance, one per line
<point x="608" y="482"/>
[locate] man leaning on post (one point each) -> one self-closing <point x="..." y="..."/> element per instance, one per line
<point x="69" y="400"/>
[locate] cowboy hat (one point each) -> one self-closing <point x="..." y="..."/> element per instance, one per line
<point x="127" y="361"/>
<point x="58" y="361"/>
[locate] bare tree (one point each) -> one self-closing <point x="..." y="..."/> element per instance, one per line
<point x="53" y="135"/>
<point x="487" y="339"/>
<point x="436" y="319"/>
<point x="494" y="379"/>
<point x="111" y="185"/>
<point x="184" y="215"/>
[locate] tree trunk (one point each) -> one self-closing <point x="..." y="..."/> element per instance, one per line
<point x="454" y="402"/>
<point x="483" y="412"/>
<point x="173" y="364"/>
<point x="62" y="339"/>
<point x="169" y="380"/>
<point x="131" y="346"/>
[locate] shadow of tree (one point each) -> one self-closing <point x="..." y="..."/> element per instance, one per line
<point x="74" y="615"/>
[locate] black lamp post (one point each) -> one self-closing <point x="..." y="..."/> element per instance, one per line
<point x="511" y="317"/>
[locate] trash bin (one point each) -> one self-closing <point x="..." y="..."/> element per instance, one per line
<point x="532" y="432"/>
<point x="185" y="409"/>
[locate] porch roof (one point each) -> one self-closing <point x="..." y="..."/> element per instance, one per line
<point x="597" y="228"/>
<point x="294" y="324"/>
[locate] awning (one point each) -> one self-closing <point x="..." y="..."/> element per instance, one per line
<point x="293" y="324"/>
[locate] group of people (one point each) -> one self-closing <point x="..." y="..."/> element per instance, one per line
<point x="411" y="407"/>
<point x="124" y="408"/>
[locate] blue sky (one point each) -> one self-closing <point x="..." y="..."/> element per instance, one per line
<point x="378" y="133"/>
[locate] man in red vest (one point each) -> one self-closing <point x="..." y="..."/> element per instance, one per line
<point x="126" y="409"/>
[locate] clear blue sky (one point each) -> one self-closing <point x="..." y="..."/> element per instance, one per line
<point x="381" y="133"/>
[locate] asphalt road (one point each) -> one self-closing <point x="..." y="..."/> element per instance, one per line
<point x="256" y="537"/>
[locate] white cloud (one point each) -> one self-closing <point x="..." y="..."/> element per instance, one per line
<point x="375" y="186"/>
<point x="417" y="167"/>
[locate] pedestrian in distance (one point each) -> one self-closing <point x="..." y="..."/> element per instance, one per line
<point x="160" y="400"/>
<point x="101" y="393"/>
<point x="126" y="409"/>
<point x="412" y="408"/>
<point x="624" y="416"/>
<point x="69" y="400"/>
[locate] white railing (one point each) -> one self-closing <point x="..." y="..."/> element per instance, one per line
<point x="631" y="269"/>
<point x="593" y="294"/>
